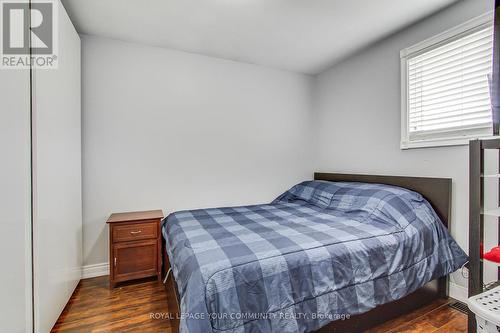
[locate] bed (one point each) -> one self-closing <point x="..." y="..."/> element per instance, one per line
<point x="340" y="253"/>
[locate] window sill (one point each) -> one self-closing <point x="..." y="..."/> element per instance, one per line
<point x="463" y="141"/>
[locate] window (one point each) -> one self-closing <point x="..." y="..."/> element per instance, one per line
<point x="445" y="86"/>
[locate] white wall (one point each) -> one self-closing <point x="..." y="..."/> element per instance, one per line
<point x="15" y="201"/>
<point x="57" y="178"/>
<point x="357" y="116"/>
<point x="173" y="130"/>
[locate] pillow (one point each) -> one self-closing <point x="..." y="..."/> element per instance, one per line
<point x="318" y="193"/>
<point x="382" y="202"/>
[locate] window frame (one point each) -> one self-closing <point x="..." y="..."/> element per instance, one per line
<point x="471" y="26"/>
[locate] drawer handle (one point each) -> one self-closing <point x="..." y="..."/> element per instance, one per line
<point x="135" y="232"/>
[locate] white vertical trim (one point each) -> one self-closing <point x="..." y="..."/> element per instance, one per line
<point x="404" y="103"/>
<point x="34" y="170"/>
<point x="30" y="244"/>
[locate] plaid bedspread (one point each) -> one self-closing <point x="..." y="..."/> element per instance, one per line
<point x="320" y="251"/>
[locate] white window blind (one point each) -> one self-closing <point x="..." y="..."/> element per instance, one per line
<point x="447" y="87"/>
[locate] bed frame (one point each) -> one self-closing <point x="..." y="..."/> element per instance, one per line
<point x="438" y="192"/>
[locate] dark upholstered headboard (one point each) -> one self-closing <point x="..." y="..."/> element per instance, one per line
<point x="436" y="190"/>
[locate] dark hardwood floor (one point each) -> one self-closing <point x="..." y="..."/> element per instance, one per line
<point x="145" y="306"/>
<point x="127" y="308"/>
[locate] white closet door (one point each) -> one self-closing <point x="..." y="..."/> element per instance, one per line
<point x="15" y="201"/>
<point x="57" y="178"/>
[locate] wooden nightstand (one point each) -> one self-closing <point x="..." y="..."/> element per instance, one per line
<point x="134" y="245"/>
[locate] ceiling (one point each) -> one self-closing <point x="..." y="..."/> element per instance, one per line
<point x="304" y="36"/>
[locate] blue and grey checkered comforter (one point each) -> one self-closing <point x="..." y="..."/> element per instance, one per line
<point x="318" y="252"/>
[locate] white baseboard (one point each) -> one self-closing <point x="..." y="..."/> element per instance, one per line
<point x="458" y="292"/>
<point x="95" y="270"/>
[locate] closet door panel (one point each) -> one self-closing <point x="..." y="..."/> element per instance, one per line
<point x="57" y="170"/>
<point x="15" y="201"/>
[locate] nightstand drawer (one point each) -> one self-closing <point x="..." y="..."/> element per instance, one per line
<point x="135" y="231"/>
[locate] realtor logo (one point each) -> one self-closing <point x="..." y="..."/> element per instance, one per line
<point x="24" y="27"/>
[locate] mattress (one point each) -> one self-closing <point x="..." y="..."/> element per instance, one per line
<point x="320" y="252"/>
